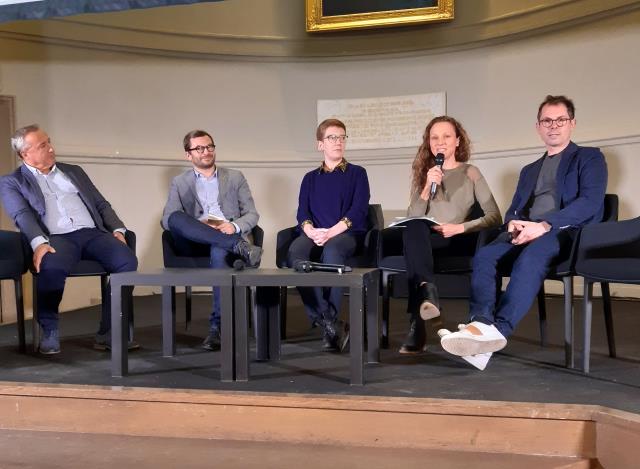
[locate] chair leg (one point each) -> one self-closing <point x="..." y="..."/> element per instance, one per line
<point x="104" y="292"/>
<point x="128" y="304"/>
<point x="172" y="291"/>
<point x="384" y="342"/>
<point x="187" y="307"/>
<point x="569" y="360"/>
<point x="542" y="316"/>
<point x="35" y="326"/>
<point x="283" y="313"/>
<point x="20" y="314"/>
<point x="588" y="307"/>
<point x="253" y="306"/>
<point x="608" y="318"/>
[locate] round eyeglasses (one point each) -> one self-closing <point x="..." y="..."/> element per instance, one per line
<point x="335" y="138"/>
<point x="560" y="121"/>
<point x="200" y="149"/>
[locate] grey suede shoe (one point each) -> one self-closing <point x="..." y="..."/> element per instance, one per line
<point x="250" y="254"/>
<point x="49" y="342"/>
<point x="103" y="342"/>
<point x="212" y="341"/>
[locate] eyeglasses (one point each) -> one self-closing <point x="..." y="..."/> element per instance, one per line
<point x="335" y="138"/>
<point x="200" y="149"/>
<point x="560" y="121"/>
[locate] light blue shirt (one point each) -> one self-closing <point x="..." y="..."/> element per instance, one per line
<point x="208" y="190"/>
<point x="65" y="211"/>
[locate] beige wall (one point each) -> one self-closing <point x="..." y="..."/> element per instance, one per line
<point x="122" y="116"/>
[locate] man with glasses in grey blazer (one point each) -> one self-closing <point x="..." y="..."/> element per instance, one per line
<point x="211" y="208"/>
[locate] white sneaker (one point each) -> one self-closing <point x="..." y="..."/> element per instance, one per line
<point x="463" y="343"/>
<point x="442" y="332"/>
<point x="479" y="361"/>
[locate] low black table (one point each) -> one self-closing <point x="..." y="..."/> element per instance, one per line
<point x="168" y="279"/>
<point x="363" y="285"/>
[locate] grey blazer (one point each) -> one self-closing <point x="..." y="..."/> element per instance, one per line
<point x="24" y="202"/>
<point x="234" y="197"/>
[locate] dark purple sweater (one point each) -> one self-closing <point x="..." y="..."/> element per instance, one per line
<point x="326" y="198"/>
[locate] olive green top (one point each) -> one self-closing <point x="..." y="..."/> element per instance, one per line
<point x="455" y="197"/>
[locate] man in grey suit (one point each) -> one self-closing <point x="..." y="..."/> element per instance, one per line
<point x="65" y="219"/>
<point x="212" y="208"/>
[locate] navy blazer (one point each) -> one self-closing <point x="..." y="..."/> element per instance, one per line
<point x="24" y="202"/>
<point x="581" y="184"/>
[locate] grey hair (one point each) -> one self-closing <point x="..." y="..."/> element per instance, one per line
<point x="18" y="142"/>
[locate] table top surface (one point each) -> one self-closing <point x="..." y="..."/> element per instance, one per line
<point x="174" y="276"/>
<point x="247" y="277"/>
<point x="289" y="277"/>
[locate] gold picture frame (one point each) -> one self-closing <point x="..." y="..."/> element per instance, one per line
<point x="340" y="15"/>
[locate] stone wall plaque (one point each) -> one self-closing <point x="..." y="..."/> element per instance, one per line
<point x="385" y="122"/>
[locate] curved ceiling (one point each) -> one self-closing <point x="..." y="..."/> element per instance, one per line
<point x="276" y="28"/>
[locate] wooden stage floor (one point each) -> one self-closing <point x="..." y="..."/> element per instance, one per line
<point x="523" y="373"/>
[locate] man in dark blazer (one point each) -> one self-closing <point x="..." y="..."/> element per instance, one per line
<point x="212" y="208"/>
<point x="555" y="196"/>
<point x="65" y="219"/>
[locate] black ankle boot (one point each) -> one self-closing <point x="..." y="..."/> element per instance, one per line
<point x="429" y="302"/>
<point x="416" y="340"/>
<point x="330" y="339"/>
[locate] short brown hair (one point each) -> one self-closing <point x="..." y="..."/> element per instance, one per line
<point x="554" y="100"/>
<point x="325" y="124"/>
<point x="186" y="142"/>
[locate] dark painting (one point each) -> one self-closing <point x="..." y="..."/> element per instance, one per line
<point x="354" y="7"/>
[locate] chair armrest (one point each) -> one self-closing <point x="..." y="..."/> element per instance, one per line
<point x="169" y="254"/>
<point x="370" y="248"/>
<point x="283" y="241"/>
<point x="487" y="236"/>
<point x="258" y="236"/>
<point x="390" y="242"/>
<point x="12" y="248"/>
<point x="610" y="239"/>
<point x="130" y="238"/>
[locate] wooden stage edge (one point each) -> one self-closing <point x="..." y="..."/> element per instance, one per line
<point x="576" y="431"/>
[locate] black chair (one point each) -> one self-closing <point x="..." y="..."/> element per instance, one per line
<point x="13" y="266"/>
<point x="563" y="271"/>
<point x="393" y="267"/>
<point x="607" y="253"/>
<point x="366" y="257"/>
<point x="173" y="258"/>
<point x="84" y="268"/>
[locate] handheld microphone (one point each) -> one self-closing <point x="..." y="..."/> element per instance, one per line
<point x="434" y="186"/>
<point x="239" y="264"/>
<point x="308" y="266"/>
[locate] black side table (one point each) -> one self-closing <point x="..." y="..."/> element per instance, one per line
<point x="168" y="279"/>
<point x="363" y="285"/>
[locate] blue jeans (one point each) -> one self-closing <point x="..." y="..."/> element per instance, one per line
<point x="323" y="302"/>
<point x="85" y="244"/>
<point x="194" y="238"/>
<point x="529" y="265"/>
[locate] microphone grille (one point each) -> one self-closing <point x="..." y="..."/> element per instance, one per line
<point x="302" y="266"/>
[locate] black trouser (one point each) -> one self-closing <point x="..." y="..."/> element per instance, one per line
<point x="421" y="245"/>
<point x="323" y="302"/>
